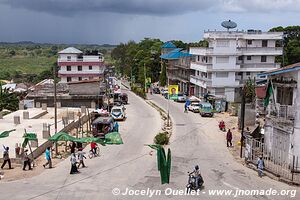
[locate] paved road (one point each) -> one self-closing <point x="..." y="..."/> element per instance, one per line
<point x="197" y="140"/>
<point x="119" y="166"/>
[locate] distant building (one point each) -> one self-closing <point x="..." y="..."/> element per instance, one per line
<point x="231" y="58"/>
<point x="76" y="66"/>
<point x="178" y="66"/>
<point x="282" y="123"/>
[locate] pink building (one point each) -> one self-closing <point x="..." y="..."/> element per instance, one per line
<point x="76" y="66"/>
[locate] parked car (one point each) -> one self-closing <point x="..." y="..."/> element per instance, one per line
<point x="206" y="109"/>
<point x="156" y="91"/>
<point x="194" y="107"/>
<point x="118" y="112"/>
<point x="181" y="97"/>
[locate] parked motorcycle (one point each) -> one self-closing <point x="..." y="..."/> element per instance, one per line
<point x="192" y="183"/>
<point x="222" y="126"/>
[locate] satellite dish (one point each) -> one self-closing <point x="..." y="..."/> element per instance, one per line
<point x="229" y="24"/>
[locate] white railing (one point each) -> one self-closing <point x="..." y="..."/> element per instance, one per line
<point x="284" y="112"/>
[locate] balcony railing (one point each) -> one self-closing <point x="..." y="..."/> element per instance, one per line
<point x="258" y="65"/>
<point x="282" y="112"/>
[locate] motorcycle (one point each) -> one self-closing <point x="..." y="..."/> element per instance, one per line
<point x="192" y="183"/>
<point x="222" y="126"/>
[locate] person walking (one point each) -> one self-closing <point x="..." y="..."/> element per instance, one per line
<point x="229" y="138"/>
<point x="73" y="164"/>
<point x="26" y="161"/>
<point x="80" y="157"/>
<point x="6" y="158"/>
<point x="260" y="166"/>
<point x="48" y="158"/>
<point x="72" y="147"/>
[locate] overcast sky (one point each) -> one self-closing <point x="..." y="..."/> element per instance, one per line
<point x="115" y="21"/>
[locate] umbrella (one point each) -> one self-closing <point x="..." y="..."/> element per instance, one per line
<point x="6" y="133"/>
<point x="89" y="140"/>
<point x="62" y="136"/>
<point x="113" y="138"/>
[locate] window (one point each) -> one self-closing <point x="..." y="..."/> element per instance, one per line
<point x="249" y="42"/>
<point x="248" y="73"/>
<point x="248" y="57"/>
<point x="241" y="58"/>
<point x="68" y="58"/>
<point x="68" y="68"/>
<point x="79" y="78"/>
<point x="90" y="67"/>
<point x="222" y="59"/>
<point x="240" y="73"/>
<point x="263" y="58"/>
<point x="79" y="68"/>
<point x="264" y="43"/>
<point x="222" y="74"/>
<point x="69" y="79"/>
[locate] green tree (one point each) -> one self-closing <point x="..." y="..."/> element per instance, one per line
<point x="8" y="100"/>
<point x="290" y="43"/>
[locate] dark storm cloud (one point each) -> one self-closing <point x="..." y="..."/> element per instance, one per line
<point x="141" y="7"/>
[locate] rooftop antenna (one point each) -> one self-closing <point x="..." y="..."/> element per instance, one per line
<point x="229" y="24"/>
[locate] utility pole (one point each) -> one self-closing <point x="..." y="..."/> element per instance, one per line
<point x="242" y="120"/>
<point x="145" y="77"/>
<point x="55" y="106"/>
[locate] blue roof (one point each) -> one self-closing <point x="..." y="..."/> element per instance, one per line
<point x="175" y="55"/>
<point x="168" y="45"/>
<point x="290" y="68"/>
<point x="176" y="50"/>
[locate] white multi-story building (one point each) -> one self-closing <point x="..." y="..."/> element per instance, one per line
<point x="75" y="66"/>
<point x="231" y="58"/>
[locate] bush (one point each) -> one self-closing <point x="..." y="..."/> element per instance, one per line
<point x="139" y="91"/>
<point x="161" y="138"/>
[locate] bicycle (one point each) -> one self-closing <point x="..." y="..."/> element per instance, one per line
<point x="92" y="154"/>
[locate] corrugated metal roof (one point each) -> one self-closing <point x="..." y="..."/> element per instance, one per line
<point x="175" y="55"/>
<point x="70" y="50"/>
<point x="168" y="45"/>
<point x="289" y="68"/>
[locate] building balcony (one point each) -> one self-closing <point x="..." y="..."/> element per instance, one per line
<point x="259" y="66"/>
<point x="202" y="67"/>
<point x="251" y="51"/>
<point x="201" y="51"/>
<point x="282" y="116"/>
<point x="200" y="81"/>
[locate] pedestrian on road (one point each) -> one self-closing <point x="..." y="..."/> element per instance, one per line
<point x="260" y="166"/>
<point x="80" y="157"/>
<point x="6" y="157"/>
<point x="48" y="158"/>
<point x="187" y="103"/>
<point x="72" y="147"/>
<point x="229" y="138"/>
<point x="73" y="164"/>
<point x="26" y="161"/>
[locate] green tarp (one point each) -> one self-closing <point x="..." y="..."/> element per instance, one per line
<point x="89" y="140"/>
<point x="61" y="136"/>
<point x="6" y="133"/>
<point x="163" y="163"/>
<point x="113" y="138"/>
<point x="28" y="137"/>
<point x="110" y="138"/>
